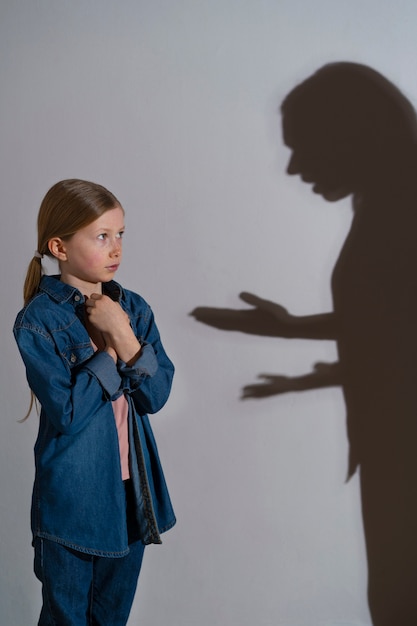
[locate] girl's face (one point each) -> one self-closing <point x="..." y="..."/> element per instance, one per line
<point x="93" y="254"/>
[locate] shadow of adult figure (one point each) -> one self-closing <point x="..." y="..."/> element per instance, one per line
<point x="352" y="132"/>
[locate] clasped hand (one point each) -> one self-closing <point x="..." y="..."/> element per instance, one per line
<point x="105" y="314"/>
<point x="108" y="318"/>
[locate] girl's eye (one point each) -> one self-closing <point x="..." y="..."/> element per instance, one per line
<point x="105" y="236"/>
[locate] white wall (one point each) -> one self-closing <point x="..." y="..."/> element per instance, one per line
<point x="173" y="106"/>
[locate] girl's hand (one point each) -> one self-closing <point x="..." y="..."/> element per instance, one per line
<point x="105" y="314"/>
<point x="112" y="352"/>
<point x="108" y="317"/>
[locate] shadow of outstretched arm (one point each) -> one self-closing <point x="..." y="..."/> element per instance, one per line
<point x="323" y="375"/>
<point x="268" y="319"/>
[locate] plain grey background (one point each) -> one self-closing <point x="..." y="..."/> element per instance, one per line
<point x="174" y="107"/>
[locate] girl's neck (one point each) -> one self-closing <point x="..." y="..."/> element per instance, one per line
<point x="83" y="287"/>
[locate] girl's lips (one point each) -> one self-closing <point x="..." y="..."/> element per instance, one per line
<point x="113" y="268"/>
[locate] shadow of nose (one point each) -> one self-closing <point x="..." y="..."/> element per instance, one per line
<point x="293" y="166"/>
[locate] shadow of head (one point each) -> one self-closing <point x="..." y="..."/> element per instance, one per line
<point x="347" y="126"/>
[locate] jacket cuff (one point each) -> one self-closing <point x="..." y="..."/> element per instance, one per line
<point x="102" y="366"/>
<point x="145" y="365"/>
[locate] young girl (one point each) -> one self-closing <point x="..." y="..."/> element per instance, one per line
<point x="96" y="364"/>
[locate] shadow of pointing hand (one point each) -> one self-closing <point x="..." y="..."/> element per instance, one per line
<point x="323" y="375"/>
<point x="264" y="318"/>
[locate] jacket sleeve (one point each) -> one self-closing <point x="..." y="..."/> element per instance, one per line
<point x="149" y="379"/>
<point x="70" y="396"/>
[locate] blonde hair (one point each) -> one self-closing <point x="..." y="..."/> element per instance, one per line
<point x="68" y="206"/>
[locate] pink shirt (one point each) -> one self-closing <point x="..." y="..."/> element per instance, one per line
<point x="120" y="410"/>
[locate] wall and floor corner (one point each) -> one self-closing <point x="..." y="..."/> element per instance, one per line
<point x="175" y="108"/>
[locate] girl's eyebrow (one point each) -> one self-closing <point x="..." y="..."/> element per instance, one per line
<point x="106" y="228"/>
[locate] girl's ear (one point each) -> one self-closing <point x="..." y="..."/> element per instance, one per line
<point x="57" y="248"/>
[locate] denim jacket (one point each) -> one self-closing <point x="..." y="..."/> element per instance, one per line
<point x="78" y="496"/>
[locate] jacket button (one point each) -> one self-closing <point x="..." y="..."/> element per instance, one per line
<point x="77" y="298"/>
<point x="73" y="358"/>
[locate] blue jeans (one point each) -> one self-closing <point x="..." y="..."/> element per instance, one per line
<point x="84" y="590"/>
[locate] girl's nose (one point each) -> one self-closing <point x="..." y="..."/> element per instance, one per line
<point x="117" y="247"/>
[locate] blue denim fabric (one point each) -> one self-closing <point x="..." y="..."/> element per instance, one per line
<point x="78" y="496"/>
<point x="81" y="589"/>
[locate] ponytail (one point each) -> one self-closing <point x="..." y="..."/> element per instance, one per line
<point x="30" y="288"/>
<point x="33" y="278"/>
<point x="33" y="403"/>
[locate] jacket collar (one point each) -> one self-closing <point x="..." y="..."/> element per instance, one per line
<point x="61" y="292"/>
